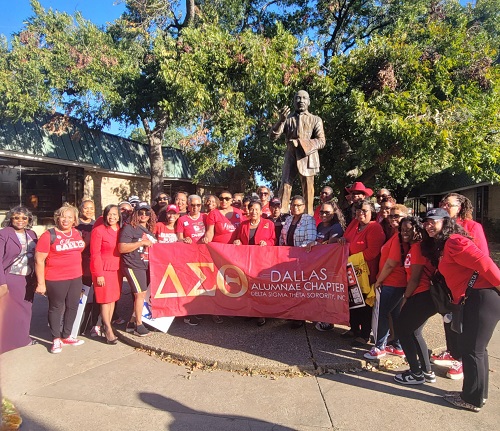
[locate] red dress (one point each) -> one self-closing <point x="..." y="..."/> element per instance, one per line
<point x="105" y="262"/>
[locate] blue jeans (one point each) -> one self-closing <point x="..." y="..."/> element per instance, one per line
<point x="390" y="300"/>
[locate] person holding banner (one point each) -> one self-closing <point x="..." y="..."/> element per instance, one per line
<point x="298" y="231"/>
<point x="191" y="227"/>
<point x="256" y="231"/>
<point x="135" y="240"/>
<point x="329" y="230"/>
<point x="58" y="268"/>
<point x="223" y="221"/>
<point x="165" y="227"/>
<point x="211" y="202"/>
<point x="364" y="235"/>
<point x="17" y="280"/>
<point x="105" y="267"/>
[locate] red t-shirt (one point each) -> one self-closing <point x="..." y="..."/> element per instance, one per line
<point x="224" y="228"/>
<point x="266" y="211"/>
<point x="64" y="260"/>
<point x="461" y="257"/>
<point x="414" y="257"/>
<point x="194" y="229"/>
<point x="164" y="234"/>
<point x="392" y="250"/>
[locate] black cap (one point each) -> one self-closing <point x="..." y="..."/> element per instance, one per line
<point x="437" y="214"/>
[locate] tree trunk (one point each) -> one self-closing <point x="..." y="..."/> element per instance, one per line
<point x="157" y="165"/>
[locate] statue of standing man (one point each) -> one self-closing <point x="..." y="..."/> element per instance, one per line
<point x="304" y="136"/>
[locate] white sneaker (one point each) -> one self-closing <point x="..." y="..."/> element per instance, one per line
<point x="56" y="346"/>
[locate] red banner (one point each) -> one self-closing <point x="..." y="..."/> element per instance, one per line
<point x="222" y="279"/>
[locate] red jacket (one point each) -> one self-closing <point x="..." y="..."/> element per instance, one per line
<point x="264" y="232"/>
<point x="369" y="241"/>
<point x="461" y="257"/>
<point x="104" y="254"/>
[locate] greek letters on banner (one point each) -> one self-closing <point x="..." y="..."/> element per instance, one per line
<point x="224" y="279"/>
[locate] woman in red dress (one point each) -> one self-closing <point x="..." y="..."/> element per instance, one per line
<point x="105" y="267"/>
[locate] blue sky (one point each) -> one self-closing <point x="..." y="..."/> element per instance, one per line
<point x="98" y="11"/>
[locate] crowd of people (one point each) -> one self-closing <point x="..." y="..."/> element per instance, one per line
<point x="402" y="252"/>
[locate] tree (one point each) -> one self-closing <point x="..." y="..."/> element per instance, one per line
<point x="419" y="99"/>
<point x="148" y="69"/>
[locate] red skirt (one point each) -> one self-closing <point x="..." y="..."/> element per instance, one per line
<point x="112" y="288"/>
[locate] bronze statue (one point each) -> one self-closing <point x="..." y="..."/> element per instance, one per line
<point x="304" y="136"/>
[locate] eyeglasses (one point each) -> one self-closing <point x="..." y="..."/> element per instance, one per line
<point x="297" y="205"/>
<point x="362" y="211"/>
<point x="447" y="205"/>
<point x="19" y="218"/>
<point x="144" y="213"/>
<point x="325" y="213"/>
<point x="396" y="216"/>
<point x="263" y="193"/>
<point x="383" y="196"/>
<point x="195" y="205"/>
<point x="163" y="198"/>
<point x="225" y="198"/>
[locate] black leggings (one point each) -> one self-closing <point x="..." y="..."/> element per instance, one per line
<point x="408" y="327"/>
<point x="481" y="315"/>
<point x="64" y="297"/>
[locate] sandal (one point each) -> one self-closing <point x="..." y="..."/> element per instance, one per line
<point x="457" y="401"/>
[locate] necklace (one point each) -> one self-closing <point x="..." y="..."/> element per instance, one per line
<point x="254" y="224"/>
<point x="67" y="235"/>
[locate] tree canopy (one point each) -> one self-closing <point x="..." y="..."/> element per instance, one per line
<point x="405" y="89"/>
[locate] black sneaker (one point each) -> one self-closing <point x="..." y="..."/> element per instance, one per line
<point x="190" y="322"/>
<point x="409" y="378"/>
<point x="130" y="327"/>
<point x="141" y="330"/>
<point x="429" y="377"/>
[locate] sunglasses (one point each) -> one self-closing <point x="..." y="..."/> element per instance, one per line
<point x="19" y="218"/>
<point x="396" y="216"/>
<point x="225" y="198"/>
<point x="263" y="194"/>
<point x="325" y="212"/>
<point x="144" y="213"/>
<point x="164" y="198"/>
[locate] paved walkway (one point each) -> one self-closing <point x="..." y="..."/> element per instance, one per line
<point x="101" y="387"/>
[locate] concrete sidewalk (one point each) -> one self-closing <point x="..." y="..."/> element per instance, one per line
<point x="103" y="387"/>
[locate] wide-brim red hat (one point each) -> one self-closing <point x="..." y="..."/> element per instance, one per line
<point x="359" y="187"/>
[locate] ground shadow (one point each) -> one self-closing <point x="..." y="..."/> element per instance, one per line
<point x="187" y="419"/>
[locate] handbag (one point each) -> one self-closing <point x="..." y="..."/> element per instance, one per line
<point x="440" y="294"/>
<point x="457" y="321"/>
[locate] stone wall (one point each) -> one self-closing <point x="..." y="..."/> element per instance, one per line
<point x="104" y="189"/>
